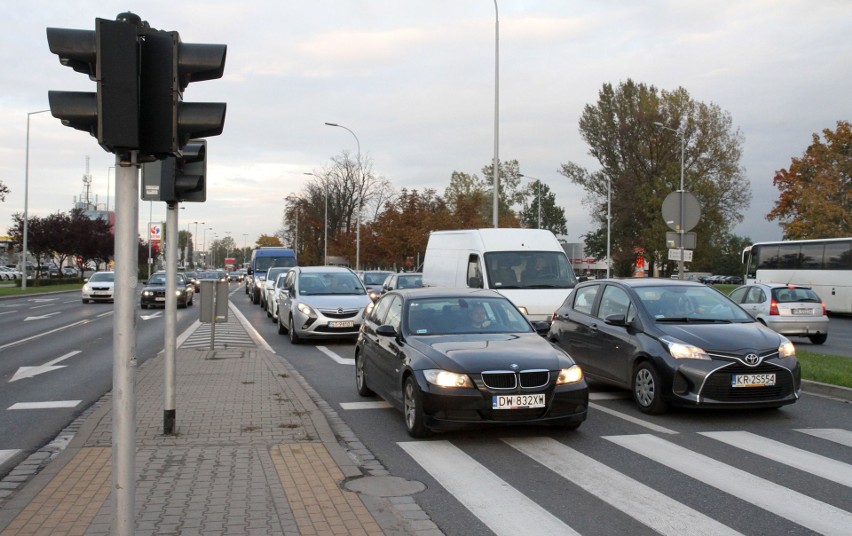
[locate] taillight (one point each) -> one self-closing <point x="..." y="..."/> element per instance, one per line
<point x="773" y="308"/>
<point x="823" y="310"/>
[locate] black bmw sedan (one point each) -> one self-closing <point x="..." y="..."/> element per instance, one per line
<point x="450" y="358"/>
<point x="675" y="342"/>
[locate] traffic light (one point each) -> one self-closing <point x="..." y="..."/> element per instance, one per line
<point x="110" y="56"/>
<point x="168" y="66"/>
<point x="177" y="179"/>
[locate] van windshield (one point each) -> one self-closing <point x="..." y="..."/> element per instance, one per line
<point x="529" y="269"/>
<point x="264" y="263"/>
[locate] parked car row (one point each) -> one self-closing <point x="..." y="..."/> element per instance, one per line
<point x="9" y="274"/>
<point x="721" y="280"/>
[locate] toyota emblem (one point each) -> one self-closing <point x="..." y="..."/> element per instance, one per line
<point x="751" y="359"/>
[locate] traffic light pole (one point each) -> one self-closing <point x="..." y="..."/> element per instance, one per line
<point x="124" y="346"/>
<point x="169" y="410"/>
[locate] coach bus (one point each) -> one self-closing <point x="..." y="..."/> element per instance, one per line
<point x="824" y="265"/>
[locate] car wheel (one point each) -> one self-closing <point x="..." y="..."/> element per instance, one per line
<point x="647" y="389"/>
<point x="361" y="377"/>
<point x="281" y="328"/>
<point x="268" y="311"/>
<point x="413" y="409"/>
<point x="191" y="299"/>
<point x="182" y="306"/>
<point x="819" y="339"/>
<point x="85" y="301"/>
<point x="291" y="329"/>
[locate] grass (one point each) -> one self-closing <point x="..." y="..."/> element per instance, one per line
<point x="31" y="289"/>
<point x="824" y="368"/>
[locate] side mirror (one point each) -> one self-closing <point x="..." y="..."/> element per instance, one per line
<point x="542" y="328"/>
<point x="474" y="282"/>
<point x="582" y="278"/>
<point x="616" y="320"/>
<point x="386" y="330"/>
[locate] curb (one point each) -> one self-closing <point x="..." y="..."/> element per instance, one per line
<point x="827" y="389"/>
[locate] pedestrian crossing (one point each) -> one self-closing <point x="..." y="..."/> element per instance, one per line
<point x="504" y="508"/>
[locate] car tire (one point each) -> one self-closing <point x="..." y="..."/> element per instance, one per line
<point x="85" y="301"/>
<point x="361" y="377"/>
<point x="281" y="328"/>
<point x="291" y="330"/>
<point x="647" y="389"/>
<point x="268" y="312"/>
<point x="412" y="409"/>
<point x="818" y="339"/>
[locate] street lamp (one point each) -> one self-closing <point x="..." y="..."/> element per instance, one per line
<point x="539" y="196"/>
<point x="325" y="227"/>
<point x="496" y="163"/>
<point x="245" y="249"/>
<point x="680" y="229"/>
<point x="608" y="224"/>
<point x="358" y="219"/>
<point x="26" y="201"/>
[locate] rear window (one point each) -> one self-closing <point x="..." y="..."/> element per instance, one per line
<point x="794" y="295"/>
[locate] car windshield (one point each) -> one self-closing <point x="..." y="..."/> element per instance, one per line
<point x="678" y="303"/>
<point x="207" y="275"/>
<point x="328" y="283"/>
<point x="375" y="278"/>
<point x="455" y="315"/>
<point x="529" y="269"/>
<point x="794" y="295"/>
<point x="103" y="277"/>
<point x="274" y="272"/>
<point x="263" y="262"/>
<point x="410" y="281"/>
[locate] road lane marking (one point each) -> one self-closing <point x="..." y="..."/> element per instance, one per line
<point x="29" y="372"/>
<point x="337" y="358"/>
<point x="6" y="455"/>
<point x="634" y="420"/>
<point x="365" y="405"/>
<point x="803" y="460"/>
<point x="644" y="504"/>
<point x="51" y="404"/>
<point x="609" y="395"/>
<point x="501" y="507"/>
<point x="810" y="513"/>
<point x="46" y="333"/>
<point x="838" y="435"/>
<point x="42" y="317"/>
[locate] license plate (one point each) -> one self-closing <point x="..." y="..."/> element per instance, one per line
<point x="752" y="380"/>
<point x="517" y="401"/>
<point x="96" y="293"/>
<point x="159" y="299"/>
<point x="341" y="324"/>
<point x="802" y="311"/>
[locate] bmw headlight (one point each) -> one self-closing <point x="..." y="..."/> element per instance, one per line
<point x="147" y="293"/>
<point x="681" y="350"/>
<point x="569" y="375"/>
<point x="445" y="378"/>
<point x="178" y="293"/>
<point x="306" y="309"/>
<point x="786" y="349"/>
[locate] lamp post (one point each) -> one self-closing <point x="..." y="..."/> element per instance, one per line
<point x="496" y="163"/>
<point x="539" y="196"/>
<point x="325" y="227"/>
<point x="108" y="185"/>
<point x="26" y="201"/>
<point x="358" y="219"/>
<point x="608" y="223"/>
<point x="680" y="229"/>
<point x="150" y="217"/>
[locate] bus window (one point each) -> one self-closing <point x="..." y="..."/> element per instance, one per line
<point x="812" y="256"/>
<point x="838" y="256"/>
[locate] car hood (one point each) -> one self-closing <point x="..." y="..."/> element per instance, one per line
<point x="468" y="353"/>
<point x="749" y="336"/>
<point x="335" y="301"/>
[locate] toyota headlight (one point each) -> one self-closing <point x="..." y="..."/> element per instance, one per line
<point x="786" y="349"/>
<point x="445" y="378"/>
<point x="681" y="350"/>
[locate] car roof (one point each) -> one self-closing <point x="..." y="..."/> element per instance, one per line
<point x="446" y="292"/>
<point x="645" y="282"/>
<point x="322" y="269"/>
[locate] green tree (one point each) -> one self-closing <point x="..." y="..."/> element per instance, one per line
<point x="816" y="198"/>
<point x="3" y="191"/>
<point x="552" y="216"/>
<point x="641" y="163"/>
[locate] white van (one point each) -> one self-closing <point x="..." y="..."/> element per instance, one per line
<point x="528" y="266"/>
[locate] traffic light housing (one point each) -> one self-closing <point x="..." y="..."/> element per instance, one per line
<point x="109" y="56"/>
<point x="177" y="179"/>
<point x="167" y="68"/>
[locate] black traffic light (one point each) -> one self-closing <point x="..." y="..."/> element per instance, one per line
<point x="177" y="179"/>
<point x="110" y="56"/>
<point x="168" y="66"/>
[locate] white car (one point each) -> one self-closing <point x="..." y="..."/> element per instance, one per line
<point x="9" y="274"/>
<point x="267" y="287"/>
<point x="100" y="286"/>
<point x="273" y="300"/>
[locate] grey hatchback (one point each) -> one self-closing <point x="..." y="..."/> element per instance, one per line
<point x="788" y="309"/>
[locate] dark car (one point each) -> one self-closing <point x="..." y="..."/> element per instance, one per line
<point x="451" y="358"/>
<point x="154" y="292"/>
<point x="675" y="342"/>
<point x="402" y="280"/>
<point x="192" y="278"/>
<point x="373" y="280"/>
<point x="209" y="275"/>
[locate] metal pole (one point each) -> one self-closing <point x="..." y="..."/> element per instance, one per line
<point x="496" y="163"/>
<point x="124" y="347"/>
<point x="26" y="202"/>
<point x="245" y="247"/>
<point x="680" y="267"/>
<point x="108" y="185"/>
<point x="169" y="411"/>
<point x="539" y="204"/>
<point x="150" y="217"/>
<point x="608" y="223"/>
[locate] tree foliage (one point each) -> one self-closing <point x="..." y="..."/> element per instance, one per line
<point x="816" y="198"/>
<point x="641" y="164"/>
<point x="3" y="191"/>
<point x="59" y="236"/>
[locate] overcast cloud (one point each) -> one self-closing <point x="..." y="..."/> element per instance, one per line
<point x="415" y="81"/>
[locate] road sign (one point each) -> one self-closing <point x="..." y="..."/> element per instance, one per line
<point x="674" y="255"/>
<point x="671" y="211"/>
<point x="156" y="232"/>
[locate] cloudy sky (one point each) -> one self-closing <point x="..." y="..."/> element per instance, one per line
<point x="414" y="80"/>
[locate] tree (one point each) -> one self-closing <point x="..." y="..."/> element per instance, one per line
<point x="816" y="198"/>
<point x="3" y="191"/>
<point x="641" y="162"/>
<point x="552" y="215"/>
<point x="265" y="241"/>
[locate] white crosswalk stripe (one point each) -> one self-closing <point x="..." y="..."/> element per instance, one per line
<point x="503" y="509"/>
<point x="844" y="437"/>
<point x="808" y="512"/>
<point x="794" y="457"/>
<point x="631" y="497"/>
<point x="6" y="455"/>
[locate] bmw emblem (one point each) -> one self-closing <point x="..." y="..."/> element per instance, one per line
<point x="751" y="359"/>
<point x="514" y="367"/>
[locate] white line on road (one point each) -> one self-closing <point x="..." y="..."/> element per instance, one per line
<point x="838" y="435"/>
<point x="46" y="333"/>
<point x="365" y="405"/>
<point x="610" y="395"/>
<point x="809" y="462"/>
<point x="644" y="504"/>
<point x="6" y="455"/>
<point x="29" y="372"/>
<point x="335" y="357"/>
<point x="46" y="405"/>
<point x="502" y="508"/>
<point x="634" y="420"/>
<point x="810" y="513"/>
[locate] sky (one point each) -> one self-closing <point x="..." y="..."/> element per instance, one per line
<point x="414" y="82"/>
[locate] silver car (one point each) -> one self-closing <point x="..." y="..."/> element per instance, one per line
<point x="788" y="309"/>
<point x="274" y="299"/>
<point x="321" y="302"/>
